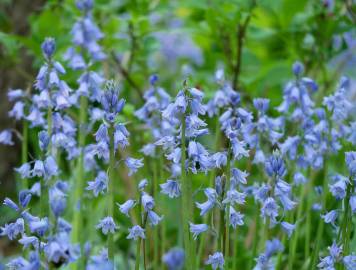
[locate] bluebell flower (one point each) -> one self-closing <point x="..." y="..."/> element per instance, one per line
<point x="298" y="68"/>
<point x="353" y="203"/>
<point x="299" y="178"/>
<point x="149" y="150"/>
<point x="338" y="103"/>
<point x="261" y="104"/>
<point x="6" y="137"/>
<point x="38" y="169"/>
<point x="175" y="155"/>
<point x="99" y="185"/>
<point x="12" y="230"/>
<point x="270" y="209"/>
<point x="102" y="134"/>
<point x="120" y="136"/>
<point x="286" y="202"/>
<point x="210" y="203"/>
<point x="273" y="246"/>
<point x="261" y="193"/>
<point x="338" y="189"/>
<point x="219" y="184"/>
<point x="238" y="176"/>
<point x="135" y="232"/>
<point x="10" y="203"/>
<point x="44" y="140"/>
<point x="59" y="250"/>
<point x="15" y="94"/>
<point x="100" y="261"/>
<point x="57" y="201"/>
<point x="334" y="256"/>
<point x="174" y="259"/>
<point x="288" y="228"/>
<point x="236" y="218"/>
<point x="153" y="218"/>
<point x="197" y="229"/>
<point x="234" y="197"/>
<point x="126" y="207"/>
<point x="17" y="111"/>
<point x="220" y="159"/>
<point x="349" y="262"/>
<point x="274" y="166"/>
<point x="25" y="198"/>
<point x="171" y="188"/>
<point x="28" y="241"/>
<point x="350" y="158"/>
<point x="63" y="225"/>
<point x="239" y="149"/>
<point x="48" y="47"/>
<point x="216" y="260"/>
<point x="39" y="226"/>
<point x="142" y="184"/>
<point x="147" y="201"/>
<point x="51" y="167"/>
<point x="330" y="217"/>
<point x="290" y="147"/>
<point x="133" y="164"/>
<point x="107" y="225"/>
<point x="110" y="101"/>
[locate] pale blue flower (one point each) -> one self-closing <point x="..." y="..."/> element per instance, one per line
<point x="197" y="229"/>
<point x="135" y="232"/>
<point x="216" y="261"/>
<point x="107" y="225"/>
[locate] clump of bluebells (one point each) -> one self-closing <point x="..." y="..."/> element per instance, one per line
<point x="265" y="184"/>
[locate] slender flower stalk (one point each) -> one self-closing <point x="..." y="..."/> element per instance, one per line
<point x="226" y="248"/>
<point x="111" y="192"/>
<point x="320" y="229"/>
<point x="211" y="182"/>
<point x="185" y="207"/>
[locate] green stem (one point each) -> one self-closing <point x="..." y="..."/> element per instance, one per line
<point x="111" y="201"/>
<point x="211" y="184"/>
<point x="346" y="230"/>
<point x="256" y="237"/>
<point x="320" y="229"/>
<point x="294" y="240"/>
<point x="308" y="211"/>
<point x="185" y="200"/>
<point x="79" y="184"/>
<point x="138" y="246"/>
<point x="227" y="216"/>
<point x="24" y="150"/>
<point x="155" y="230"/>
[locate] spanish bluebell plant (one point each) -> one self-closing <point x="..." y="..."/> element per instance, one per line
<point x="236" y="180"/>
